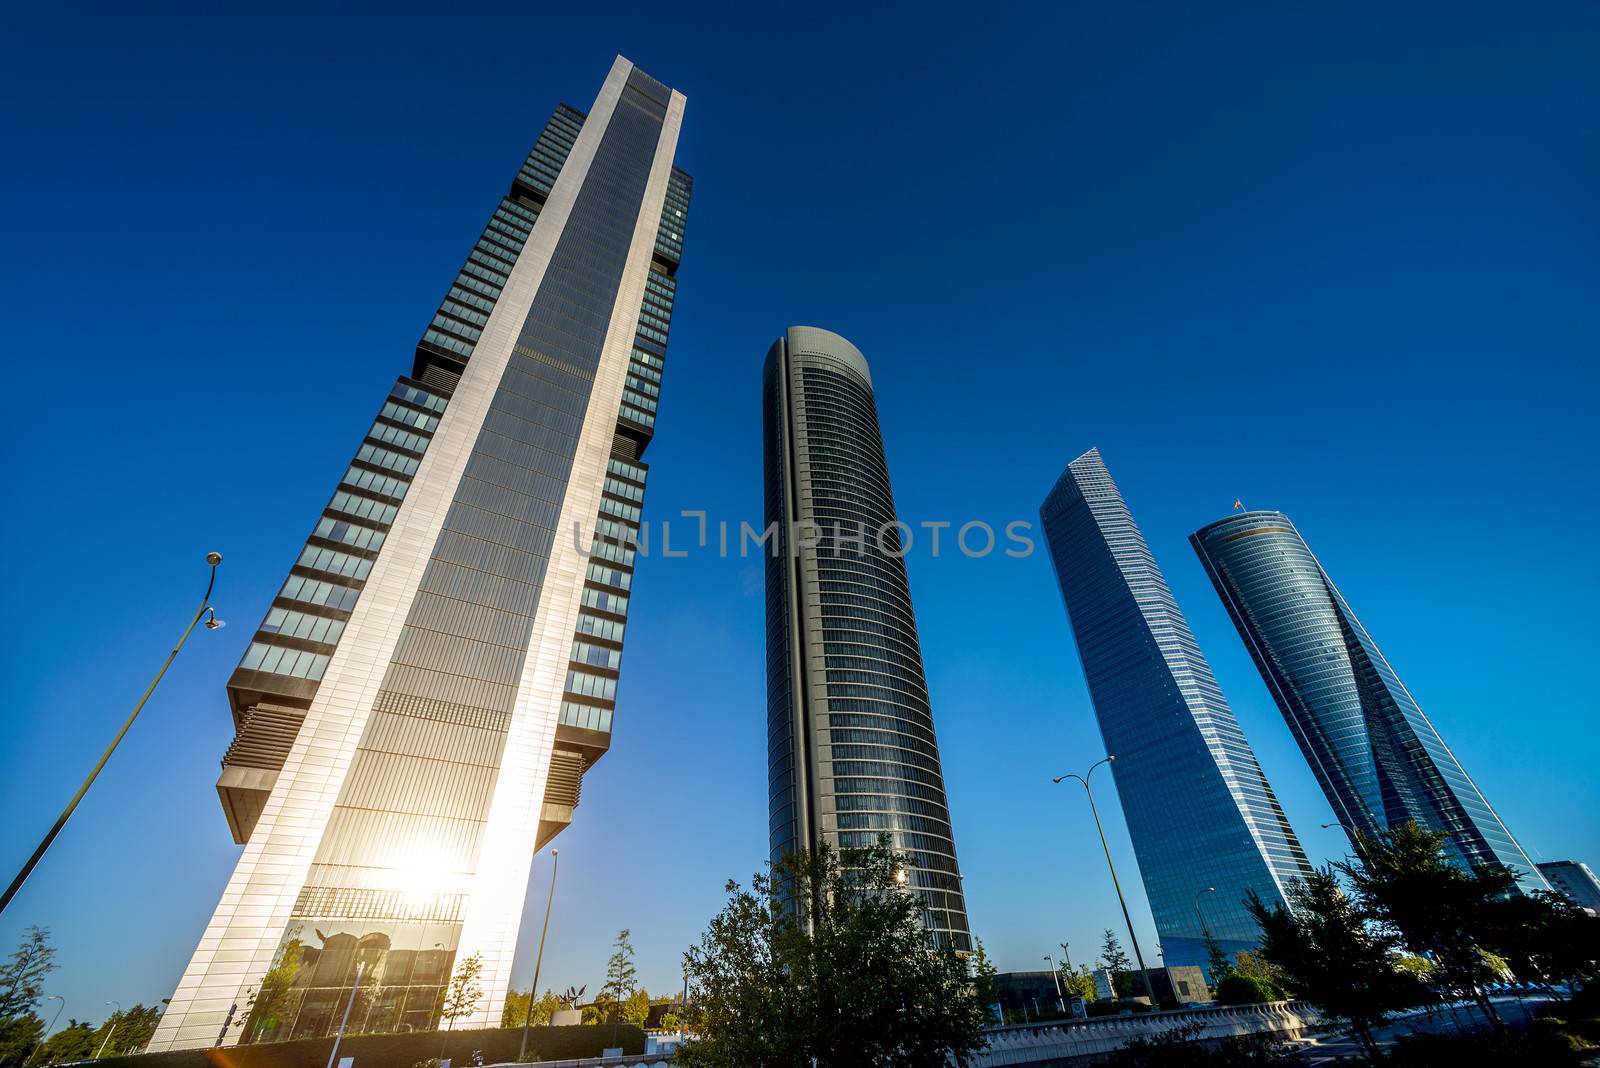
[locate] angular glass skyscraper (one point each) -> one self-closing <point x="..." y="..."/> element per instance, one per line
<point x="1199" y="809"/>
<point x="416" y="712"/>
<point x="1377" y="756"/>
<point x="851" y="746"/>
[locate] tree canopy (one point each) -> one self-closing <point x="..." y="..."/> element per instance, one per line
<point x="824" y="962"/>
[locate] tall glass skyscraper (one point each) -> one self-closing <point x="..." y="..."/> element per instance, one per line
<point x="1378" y="758"/>
<point x="416" y="712"/>
<point x="851" y="746"/>
<point x="1199" y="809"/>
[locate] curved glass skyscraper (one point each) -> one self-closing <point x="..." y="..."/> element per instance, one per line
<point x="852" y="752"/>
<point x="1378" y="758"/>
<point x="1198" y="806"/>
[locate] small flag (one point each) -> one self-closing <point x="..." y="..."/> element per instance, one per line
<point x="1237" y="504"/>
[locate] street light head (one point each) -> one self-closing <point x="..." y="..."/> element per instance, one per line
<point x="1110" y="759"/>
<point x="214" y="623"/>
<point x="213" y="559"/>
<point x="1058" y="779"/>
<point x="555" y="852"/>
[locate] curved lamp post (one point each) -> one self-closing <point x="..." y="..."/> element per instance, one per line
<point x="111" y="1029"/>
<point x="1204" y="930"/>
<point x="1084" y="781"/>
<point x="533" y="991"/>
<point x="35" y="1052"/>
<point x="212" y="623"/>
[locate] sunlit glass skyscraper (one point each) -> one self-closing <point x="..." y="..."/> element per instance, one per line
<point x="415" y="714"/>
<point x="1205" y="824"/>
<point x="1378" y="757"/>
<point x="852" y="752"/>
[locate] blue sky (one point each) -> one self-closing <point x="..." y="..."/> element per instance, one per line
<point x="1338" y="260"/>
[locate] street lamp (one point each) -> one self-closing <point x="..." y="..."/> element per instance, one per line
<point x="211" y="624"/>
<point x="1204" y="930"/>
<point x="111" y="1028"/>
<point x="1084" y="780"/>
<point x="538" y="961"/>
<point x="1056" y="975"/>
<point x="46" y="1033"/>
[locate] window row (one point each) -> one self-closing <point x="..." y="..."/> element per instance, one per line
<point x="494" y="277"/>
<point x="394" y="461"/>
<point x="596" y="655"/>
<point x="277" y="660"/>
<point x="609" y="550"/>
<point x="361" y="478"/>
<point x="471" y="333"/>
<point x="601" y="628"/>
<point x="645" y="419"/>
<point x="623" y="489"/>
<point x="461" y="311"/>
<point x="609" y="576"/>
<point x="393" y="435"/>
<point x="363" y="507"/>
<point x="418" y="396"/>
<point x="335" y="562"/>
<point x="490" y="269"/>
<point x="303" y="625"/>
<point x="497" y="254"/>
<point x="588" y="717"/>
<point x="605" y="601"/>
<point x="462" y="295"/>
<point x="601" y="686"/>
<point x="623" y="469"/>
<point x="316" y="591"/>
<point x="349" y="533"/>
<point x="629" y="512"/>
<point x="410" y="417"/>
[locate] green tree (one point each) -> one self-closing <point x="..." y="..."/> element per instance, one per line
<point x="1218" y="966"/>
<point x="19" y="1037"/>
<point x="465" y="991"/>
<point x="22" y="977"/>
<point x="1545" y="938"/>
<point x="1253" y="965"/>
<point x="620" y="972"/>
<point x="636" y="1009"/>
<point x="1403" y="880"/>
<point x="824" y="961"/>
<point x="1080" y="985"/>
<point x="74" y="1042"/>
<point x="1331" y="957"/>
<point x="269" y="1008"/>
<point x="128" y="1031"/>
<point x="516" y="1009"/>
<point x="1114" y="960"/>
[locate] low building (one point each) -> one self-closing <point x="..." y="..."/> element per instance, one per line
<point x="1575" y="880"/>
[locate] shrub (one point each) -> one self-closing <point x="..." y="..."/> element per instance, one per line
<point x="1236" y="989"/>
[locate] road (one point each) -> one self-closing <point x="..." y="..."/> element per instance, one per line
<point x="1329" y="1048"/>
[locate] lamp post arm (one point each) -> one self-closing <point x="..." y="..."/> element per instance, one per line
<point x="66" y="814"/>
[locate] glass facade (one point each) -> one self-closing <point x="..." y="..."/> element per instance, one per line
<point x="1198" y="807"/>
<point x="1377" y="756"/>
<point x="417" y="710"/>
<point x="852" y="750"/>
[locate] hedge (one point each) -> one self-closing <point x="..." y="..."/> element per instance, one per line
<point x="401" y="1051"/>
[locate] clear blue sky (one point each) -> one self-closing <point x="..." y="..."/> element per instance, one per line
<point x="1334" y="259"/>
